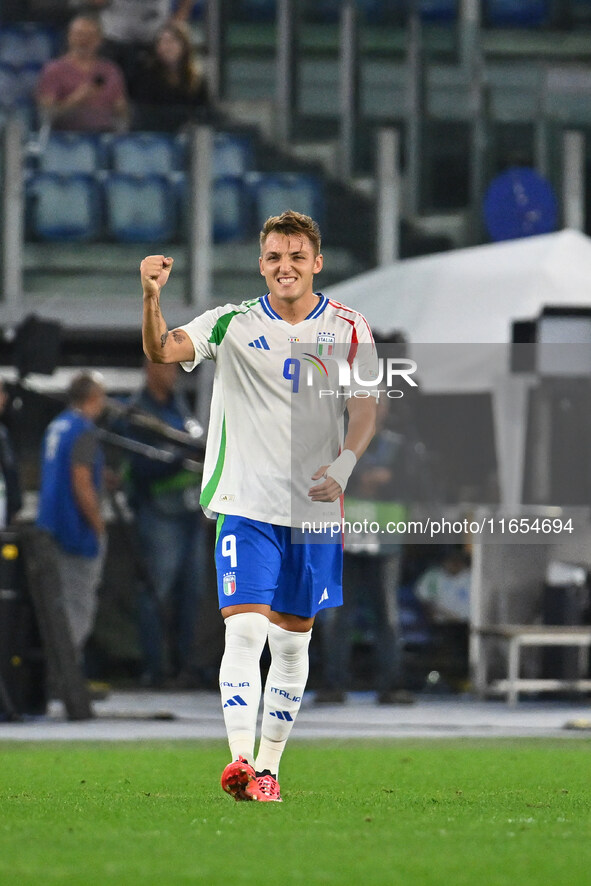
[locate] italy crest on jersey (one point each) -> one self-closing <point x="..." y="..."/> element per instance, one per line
<point x="229" y="583"/>
<point x="325" y="342"/>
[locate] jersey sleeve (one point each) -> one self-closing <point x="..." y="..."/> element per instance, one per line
<point x="201" y="332"/>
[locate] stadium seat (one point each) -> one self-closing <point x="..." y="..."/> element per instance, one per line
<point x="580" y="12"/>
<point x="438" y="10"/>
<point x="17" y="83"/>
<point x="384" y="11"/>
<point x="26" y="44"/>
<point x="517" y="13"/>
<point x="28" y="76"/>
<point x="10" y="89"/>
<point x="231" y="210"/>
<point x="63" y="207"/>
<point x="231" y="207"/>
<point x="71" y="152"/>
<point x="143" y="153"/>
<point x="232" y="154"/>
<point x="373" y="11"/>
<point x="275" y="192"/>
<point x="140" y="208"/>
<point x="257" y="10"/>
<point x="25" y="112"/>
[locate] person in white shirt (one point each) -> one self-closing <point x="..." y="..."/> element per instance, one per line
<point x="277" y="459"/>
<point x="444" y="592"/>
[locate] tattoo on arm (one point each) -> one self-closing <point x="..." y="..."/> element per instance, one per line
<point x="178" y="336"/>
<point x="163" y="338"/>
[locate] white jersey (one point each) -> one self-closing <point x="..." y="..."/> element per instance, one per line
<point x="277" y="410"/>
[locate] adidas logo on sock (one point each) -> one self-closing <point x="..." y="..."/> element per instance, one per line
<point x="259" y="343"/>
<point x="235" y="700"/>
<point x="282" y="715"/>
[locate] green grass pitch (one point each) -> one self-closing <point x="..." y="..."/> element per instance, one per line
<point x="445" y="812"/>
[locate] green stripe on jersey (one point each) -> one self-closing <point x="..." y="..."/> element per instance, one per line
<point x="221" y="327"/>
<point x="218" y="526"/>
<point x="208" y="491"/>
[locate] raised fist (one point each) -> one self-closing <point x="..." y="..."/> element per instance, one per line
<point x="154" y="272"/>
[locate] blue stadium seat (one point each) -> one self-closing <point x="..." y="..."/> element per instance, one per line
<point x="580" y="11"/>
<point x="71" y="152"/>
<point x="140" y="208"/>
<point x="10" y="88"/>
<point x="232" y="154"/>
<point x="143" y="153"/>
<point x="379" y="11"/>
<point x="63" y="207"/>
<point x="275" y="192"/>
<point x="329" y="10"/>
<point x="26" y="113"/>
<point x="26" y="44"/>
<point x="257" y="10"/>
<point x="517" y="13"/>
<point x="231" y="210"/>
<point x="17" y="83"/>
<point x="438" y="10"/>
<point x="28" y="76"/>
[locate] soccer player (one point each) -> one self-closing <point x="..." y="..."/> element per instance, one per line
<point x="276" y="452"/>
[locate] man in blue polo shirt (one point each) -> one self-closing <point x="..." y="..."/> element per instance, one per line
<point x="69" y="501"/>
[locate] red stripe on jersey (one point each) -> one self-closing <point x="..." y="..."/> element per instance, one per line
<point x="340" y="307"/>
<point x="354" y="339"/>
<point x="342" y="506"/>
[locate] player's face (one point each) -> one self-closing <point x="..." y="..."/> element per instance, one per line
<point x="288" y="264"/>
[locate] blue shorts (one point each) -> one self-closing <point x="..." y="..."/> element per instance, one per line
<point x="258" y="563"/>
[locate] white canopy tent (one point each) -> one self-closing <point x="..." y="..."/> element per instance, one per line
<point x="469" y="298"/>
<point x="472" y="295"/>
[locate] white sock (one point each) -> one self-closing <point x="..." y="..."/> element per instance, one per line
<point x="240" y="680"/>
<point x="284" y="689"/>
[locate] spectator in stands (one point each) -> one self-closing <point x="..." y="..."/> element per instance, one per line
<point x="70" y="502"/>
<point x="164" y="498"/>
<point x="444" y="592"/>
<point x="130" y="27"/>
<point x="80" y="90"/>
<point x="10" y="487"/>
<point x="168" y="87"/>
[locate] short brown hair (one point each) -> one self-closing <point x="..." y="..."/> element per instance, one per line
<point x="83" y="387"/>
<point x="289" y="223"/>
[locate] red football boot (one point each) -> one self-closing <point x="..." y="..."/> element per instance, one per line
<point x="236" y="778"/>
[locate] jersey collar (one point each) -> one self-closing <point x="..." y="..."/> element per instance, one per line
<point x="316" y="312"/>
